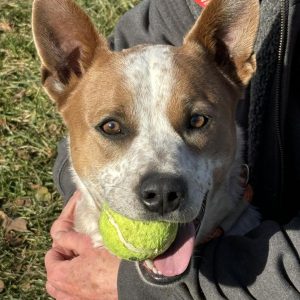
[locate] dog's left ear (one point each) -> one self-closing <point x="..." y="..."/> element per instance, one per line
<point x="227" y="30"/>
<point x="67" y="43"/>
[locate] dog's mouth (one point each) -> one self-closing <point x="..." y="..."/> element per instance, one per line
<point x="176" y="259"/>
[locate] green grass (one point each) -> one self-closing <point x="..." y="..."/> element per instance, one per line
<point x="29" y="131"/>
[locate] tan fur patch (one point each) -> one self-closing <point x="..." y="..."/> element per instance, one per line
<point x="227" y="29"/>
<point x="206" y="91"/>
<point x="67" y="43"/>
<point x="101" y="94"/>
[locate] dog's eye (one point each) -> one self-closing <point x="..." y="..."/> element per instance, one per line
<point x="198" y="121"/>
<point x="111" y="127"/>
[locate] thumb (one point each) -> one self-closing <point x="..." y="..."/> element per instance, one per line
<point x="65" y="221"/>
<point x="68" y="211"/>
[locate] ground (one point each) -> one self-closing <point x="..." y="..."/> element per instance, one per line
<point x="29" y="131"/>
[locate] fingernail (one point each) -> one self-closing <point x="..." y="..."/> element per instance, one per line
<point x="58" y="235"/>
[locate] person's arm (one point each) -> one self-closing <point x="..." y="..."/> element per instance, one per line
<point x="264" y="264"/>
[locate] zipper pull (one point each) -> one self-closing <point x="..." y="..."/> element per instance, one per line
<point x="202" y="3"/>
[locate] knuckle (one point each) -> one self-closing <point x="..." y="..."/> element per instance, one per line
<point x="47" y="258"/>
<point x="55" y="227"/>
<point x="50" y="290"/>
<point x="50" y="268"/>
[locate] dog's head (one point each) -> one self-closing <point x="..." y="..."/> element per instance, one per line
<point x="152" y="128"/>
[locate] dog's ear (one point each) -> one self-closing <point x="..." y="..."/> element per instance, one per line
<point x="67" y="43"/>
<point x="227" y="30"/>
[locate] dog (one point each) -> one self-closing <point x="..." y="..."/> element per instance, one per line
<point x="152" y="129"/>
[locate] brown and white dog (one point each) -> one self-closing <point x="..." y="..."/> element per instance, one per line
<point x="152" y="129"/>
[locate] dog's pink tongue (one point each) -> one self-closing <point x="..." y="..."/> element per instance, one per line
<point x="176" y="259"/>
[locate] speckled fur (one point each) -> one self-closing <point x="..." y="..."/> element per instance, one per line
<point x="156" y="90"/>
<point x="157" y="148"/>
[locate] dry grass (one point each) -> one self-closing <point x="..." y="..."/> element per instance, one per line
<point x="29" y="131"/>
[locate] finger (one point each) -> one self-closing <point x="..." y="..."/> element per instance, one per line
<point x="67" y="254"/>
<point x="52" y="258"/>
<point x="51" y="290"/>
<point x="66" y="218"/>
<point x="61" y="225"/>
<point x="74" y="241"/>
<point x="58" y="294"/>
<point x="57" y="268"/>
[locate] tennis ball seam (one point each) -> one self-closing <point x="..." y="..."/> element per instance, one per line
<point x="135" y="240"/>
<point x="122" y="239"/>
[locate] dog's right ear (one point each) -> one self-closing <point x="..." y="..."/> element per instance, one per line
<point x="67" y="43"/>
<point x="227" y="31"/>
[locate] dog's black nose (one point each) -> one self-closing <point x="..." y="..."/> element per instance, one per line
<point x="162" y="193"/>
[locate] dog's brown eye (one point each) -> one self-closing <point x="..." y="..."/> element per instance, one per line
<point x="111" y="127"/>
<point x="198" y="121"/>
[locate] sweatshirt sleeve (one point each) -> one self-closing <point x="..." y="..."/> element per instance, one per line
<point x="264" y="264"/>
<point x="153" y="22"/>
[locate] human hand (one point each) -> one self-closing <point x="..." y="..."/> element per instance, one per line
<point x="75" y="269"/>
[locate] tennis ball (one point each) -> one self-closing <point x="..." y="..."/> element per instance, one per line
<point x="135" y="240"/>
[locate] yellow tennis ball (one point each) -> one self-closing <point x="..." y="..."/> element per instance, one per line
<point x="135" y="240"/>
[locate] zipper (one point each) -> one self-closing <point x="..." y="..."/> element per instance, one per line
<point x="279" y="68"/>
